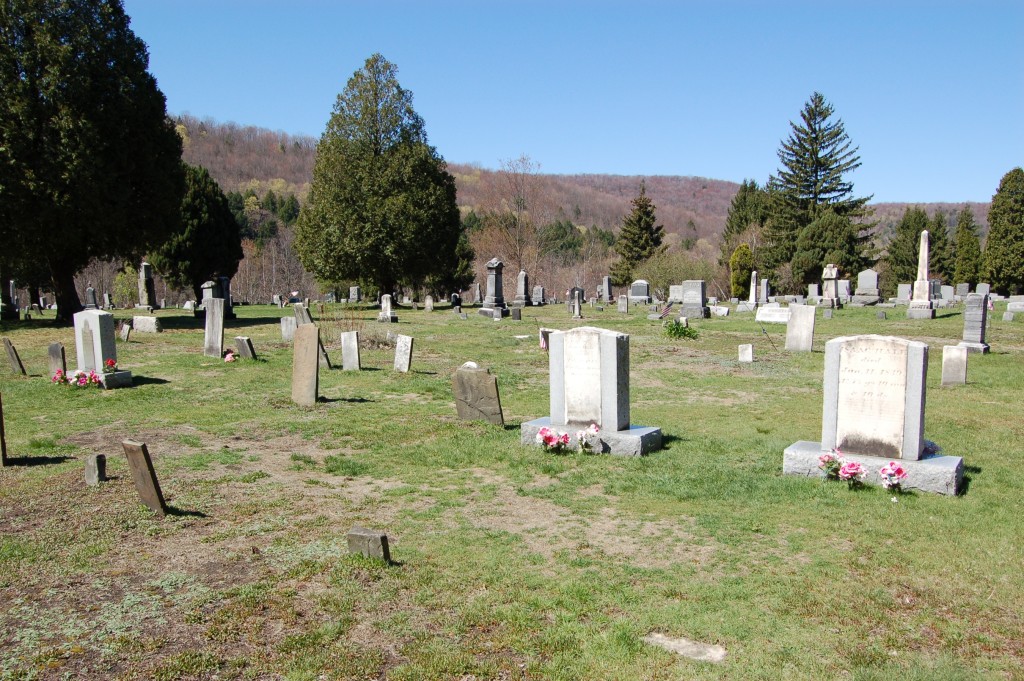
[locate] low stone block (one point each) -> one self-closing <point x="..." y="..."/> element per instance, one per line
<point x="95" y="469"/>
<point x="245" y="347"/>
<point x="143" y="324"/>
<point x="746" y="353"/>
<point x="370" y="543"/>
<point x="634" y="441"/>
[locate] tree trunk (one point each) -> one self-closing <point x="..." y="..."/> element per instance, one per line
<point x="65" y="293"/>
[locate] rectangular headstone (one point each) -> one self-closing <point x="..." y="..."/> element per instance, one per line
<point x="403" y="353"/>
<point x="983" y="289"/>
<point x="369" y="543"/>
<point x="517" y="314"/>
<point x="590" y="378"/>
<point x="746" y="353"/>
<point x="144" y="324"/>
<point x="245" y="348"/>
<point x="95" y="469"/>
<point x="800" y="330"/>
<point x="954" y="365"/>
<point x="306" y="365"/>
<point x="903" y="292"/>
<point x="947" y="292"/>
<point x="874" y="396"/>
<point x="476" y="395"/>
<point x="963" y="289"/>
<point x="623" y="305"/>
<point x="213" y="342"/>
<point x="350" y="351"/>
<point x="57" y="359"/>
<point x="772" y="315"/>
<point x="975" y="321"/>
<point x="1008" y="316"/>
<point x="144" y="476"/>
<point x="287" y="329"/>
<point x="827" y="313"/>
<point x="12" y="356"/>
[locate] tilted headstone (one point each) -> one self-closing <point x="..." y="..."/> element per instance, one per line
<point x="302" y="316"/>
<point x="57" y="358"/>
<point x="95" y="469"/>
<point x="975" y="322"/>
<point x="288" y="325"/>
<point x="126" y="330"/>
<point x="144" y="476"/>
<point x="245" y="348"/>
<point x="146" y="325"/>
<point x="873" y="412"/>
<point x="368" y="543"/>
<point x="386" y="315"/>
<point x="954" y="365"/>
<point x="94" y="345"/>
<point x="350" y="351"/>
<point x="476" y="395"/>
<point x="589" y="384"/>
<point x="91" y="303"/>
<point x="746" y="353"/>
<point x="3" y="436"/>
<point x="800" y="330"/>
<point x="213" y="342"/>
<point x="12" y="356"/>
<point x="306" y="365"/>
<point x="403" y="353"/>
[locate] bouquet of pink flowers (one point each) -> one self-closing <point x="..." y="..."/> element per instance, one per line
<point x="830" y="462"/>
<point x="852" y="472"/>
<point x="78" y="378"/>
<point x="552" y="441"/>
<point x="585" y="438"/>
<point x="893" y="476"/>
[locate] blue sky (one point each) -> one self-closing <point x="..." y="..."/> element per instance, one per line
<point x="931" y="92"/>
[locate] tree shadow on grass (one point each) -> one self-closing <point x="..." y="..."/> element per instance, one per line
<point x="35" y="460"/>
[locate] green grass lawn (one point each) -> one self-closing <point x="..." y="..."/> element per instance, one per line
<point x="510" y="563"/>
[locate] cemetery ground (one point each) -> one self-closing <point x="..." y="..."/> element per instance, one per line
<point x="509" y="562"/>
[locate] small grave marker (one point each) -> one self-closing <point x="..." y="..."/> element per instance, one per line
<point x="954" y="365"/>
<point x="403" y="353"/>
<point x="144" y="476"/>
<point x="350" y="351"/>
<point x="288" y="329"/>
<point x="12" y="355"/>
<point x="126" y="331"/>
<point x="58" y="360"/>
<point x="245" y="348"/>
<point x="95" y="469"/>
<point x="476" y="395"/>
<point x="370" y="543"/>
<point x="746" y="354"/>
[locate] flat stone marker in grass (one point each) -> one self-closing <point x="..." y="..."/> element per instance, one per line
<point x="954" y="365"/>
<point x="143" y="475"/>
<point x="3" y="438"/>
<point x="245" y="348"/>
<point x="1008" y="316"/>
<point x="305" y="365"/>
<point x="57" y="358"/>
<point x="213" y="343"/>
<point x="746" y="353"/>
<point x="370" y="543"/>
<point x="826" y="313"/>
<point x="873" y="412"/>
<point x="476" y="395"/>
<point x="589" y="384"/>
<point x="12" y="356"/>
<point x="800" y="330"/>
<point x="403" y="353"/>
<point x="773" y="315"/>
<point x="702" y="652"/>
<point x="288" y="329"/>
<point x="350" y="351"/>
<point x="95" y="469"/>
<point x="146" y="324"/>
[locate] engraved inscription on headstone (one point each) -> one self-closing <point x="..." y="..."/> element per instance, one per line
<point x="476" y="395"/>
<point x="403" y="353"/>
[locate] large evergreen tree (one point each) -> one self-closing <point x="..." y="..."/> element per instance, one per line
<point x="209" y="241"/>
<point x="829" y="238"/>
<point x="967" y="269"/>
<point x="940" y="249"/>
<point x="904" y="246"/>
<point x="816" y="158"/>
<point x="381" y="206"/>
<point x="90" y="165"/>
<point x="741" y="265"/>
<point x="748" y="211"/>
<point x="639" y="239"/>
<point x="1004" y="252"/>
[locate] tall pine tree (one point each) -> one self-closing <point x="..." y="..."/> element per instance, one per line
<point x="748" y="211"/>
<point x="940" y="249"/>
<point x="967" y="269"/>
<point x="903" y="248"/>
<point x="830" y="238"/>
<point x="639" y="239"/>
<point x="815" y="159"/>
<point x="1004" y="253"/>
<point x="741" y="264"/>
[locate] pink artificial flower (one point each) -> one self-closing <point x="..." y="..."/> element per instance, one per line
<point x="892" y="475"/>
<point x="230" y="357"/>
<point x="851" y="471"/>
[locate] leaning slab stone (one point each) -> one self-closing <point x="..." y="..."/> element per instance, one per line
<point x="245" y="348"/>
<point x="144" y="324"/>
<point x="144" y="476"/>
<point x="126" y="331"/>
<point x="57" y="358"/>
<point x="306" y="365"/>
<point x="954" y="365"/>
<point x="370" y="543"/>
<point x="12" y="356"/>
<point x="403" y="352"/>
<point x="702" y="652"/>
<point x="95" y="469"/>
<point x="476" y="395"/>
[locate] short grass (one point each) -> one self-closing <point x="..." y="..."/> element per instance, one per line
<point x="509" y="563"/>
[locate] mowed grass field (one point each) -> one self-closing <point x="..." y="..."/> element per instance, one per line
<point x="510" y="563"/>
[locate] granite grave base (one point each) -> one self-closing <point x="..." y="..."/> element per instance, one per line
<point x="636" y="441"/>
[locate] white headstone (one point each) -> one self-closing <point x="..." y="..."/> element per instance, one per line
<point x="954" y="365"/>
<point x="213" y="343"/>
<point x="800" y="330"/>
<point x="403" y="353"/>
<point x="350" y="351"/>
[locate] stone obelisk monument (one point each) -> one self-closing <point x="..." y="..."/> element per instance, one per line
<point x="921" y="301"/>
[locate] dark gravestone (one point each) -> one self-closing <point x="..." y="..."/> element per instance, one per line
<point x="12" y="355"/>
<point x="517" y="314"/>
<point x="144" y="476"/>
<point x="245" y="348"/>
<point x="95" y="469"/>
<point x="369" y="543"/>
<point x="58" y="360"/>
<point x="3" y="438"/>
<point x="476" y="395"/>
<point x="880" y="314"/>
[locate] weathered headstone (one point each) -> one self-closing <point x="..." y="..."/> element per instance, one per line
<point x="189" y="305"/>
<point x="975" y="322"/>
<point x="428" y="304"/>
<point x="746" y="353"/>
<point x="693" y="297"/>
<point x="1008" y="316"/>
<point x="94" y="345"/>
<point x="350" y="351"/>
<point x="983" y="289"/>
<point x="947" y="293"/>
<point x="495" y="299"/>
<point x="867" y="292"/>
<point x="476" y="395"/>
<point x="386" y="314"/>
<point x="763" y="292"/>
<point x="812" y="291"/>
<point x="604" y="291"/>
<point x="920" y="306"/>
<point x="522" y="298"/>
<point x="830" y="286"/>
<point x="954" y="365"/>
<point x="144" y="476"/>
<point x="880" y="314"/>
<point x="224" y="289"/>
<point x="962" y="290"/>
<point x="623" y="305"/>
<point x="108" y="302"/>
<point x="288" y="325"/>
<point x="126" y="330"/>
<point x="355" y="294"/>
<point x="306" y="365"/>
<point x="12" y="356"/>
<point x="95" y="469"/>
<point x="800" y="330"/>
<point x="369" y="543"/>
<point x="403" y="353"/>
<point x="245" y="347"/>
<point x="539" y="295"/>
<point x="640" y="292"/>
<point x="276" y="299"/>
<point x="91" y="303"/>
<point x="302" y="316"/>
<point x="903" y="293"/>
<point x="827" y="313"/>
<point x="57" y="358"/>
<point x="773" y="315"/>
<point x="517" y="314"/>
<point x="146" y="324"/>
<point x="873" y="412"/>
<point x="213" y="341"/>
<point x="589" y="384"/>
